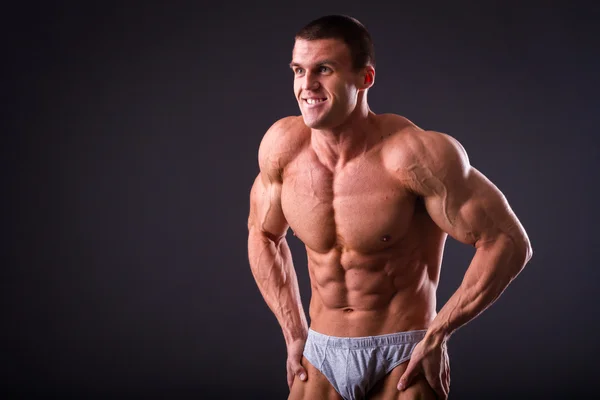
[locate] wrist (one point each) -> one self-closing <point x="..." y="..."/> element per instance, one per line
<point x="436" y="336"/>
<point x="298" y="336"/>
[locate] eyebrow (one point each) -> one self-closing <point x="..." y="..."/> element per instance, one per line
<point x="322" y="62"/>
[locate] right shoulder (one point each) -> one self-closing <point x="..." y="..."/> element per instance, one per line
<point x="281" y="143"/>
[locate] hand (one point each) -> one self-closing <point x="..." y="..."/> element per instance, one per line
<point x="431" y="360"/>
<point x="294" y="366"/>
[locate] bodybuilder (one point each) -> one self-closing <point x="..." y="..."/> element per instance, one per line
<point x="373" y="198"/>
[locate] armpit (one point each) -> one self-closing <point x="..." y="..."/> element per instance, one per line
<point x="427" y="185"/>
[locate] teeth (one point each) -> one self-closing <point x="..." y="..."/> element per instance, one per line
<point x="314" y="101"/>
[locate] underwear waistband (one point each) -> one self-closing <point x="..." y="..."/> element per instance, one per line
<point x="366" y="341"/>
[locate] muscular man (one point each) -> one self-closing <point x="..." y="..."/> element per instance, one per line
<point x="373" y="198"/>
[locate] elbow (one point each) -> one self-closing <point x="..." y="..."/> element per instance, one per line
<point x="520" y="245"/>
<point x="265" y="236"/>
<point x="529" y="251"/>
<point x="525" y="248"/>
<point x="518" y="252"/>
<point x="523" y="252"/>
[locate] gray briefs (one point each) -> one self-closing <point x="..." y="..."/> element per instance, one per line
<point x="353" y="365"/>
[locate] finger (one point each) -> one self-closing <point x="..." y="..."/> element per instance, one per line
<point x="447" y="377"/>
<point x="440" y="391"/>
<point x="408" y="375"/>
<point x="447" y="374"/>
<point x="299" y="371"/>
<point x="435" y="379"/>
<point x="446" y="380"/>
<point x="290" y="377"/>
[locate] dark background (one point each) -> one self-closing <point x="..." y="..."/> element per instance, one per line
<point x="129" y="147"/>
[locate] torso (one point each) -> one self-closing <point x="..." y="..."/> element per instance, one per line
<point x="374" y="254"/>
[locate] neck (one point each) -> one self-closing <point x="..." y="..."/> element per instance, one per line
<point x="336" y="146"/>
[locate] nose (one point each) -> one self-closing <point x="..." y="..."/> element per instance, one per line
<point x="310" y="81"/>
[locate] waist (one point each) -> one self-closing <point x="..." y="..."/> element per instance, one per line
<point x="358" y="342"/>
<point x="397" y="317"/>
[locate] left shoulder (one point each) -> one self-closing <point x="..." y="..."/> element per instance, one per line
<point x="410" y="148"/>
<point x="437" y="151"/>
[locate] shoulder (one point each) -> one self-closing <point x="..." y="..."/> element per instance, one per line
<point x="435" y="150"/>
<point x="282" y="142"/>
<point x="414" y="151"/>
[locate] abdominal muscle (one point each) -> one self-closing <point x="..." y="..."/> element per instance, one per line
<point x="365" y="295"/>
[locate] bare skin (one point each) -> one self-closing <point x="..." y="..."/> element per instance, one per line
<point x="373" y="198"/>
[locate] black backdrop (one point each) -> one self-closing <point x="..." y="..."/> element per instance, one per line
<point x="129" y="147"/>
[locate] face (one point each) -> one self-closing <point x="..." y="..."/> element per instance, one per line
<point x="325" y="84"/>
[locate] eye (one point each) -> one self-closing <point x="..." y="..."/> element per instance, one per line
<point x="324" y="70"/>
<point x="298" y="71"/>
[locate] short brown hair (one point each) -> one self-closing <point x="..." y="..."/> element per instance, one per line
<point x="344" y="28"/>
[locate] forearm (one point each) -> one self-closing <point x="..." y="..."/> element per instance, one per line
<point x="272" y="267"/>
<point x="493" y="267"/>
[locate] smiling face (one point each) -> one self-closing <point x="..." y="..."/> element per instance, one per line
<point x="325" y="83"/>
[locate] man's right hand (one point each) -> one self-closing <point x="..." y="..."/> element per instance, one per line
<point x="294" y="365"/>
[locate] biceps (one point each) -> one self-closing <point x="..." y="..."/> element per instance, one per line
<point x="471" y="210"/>
<point x="266" y="214"/>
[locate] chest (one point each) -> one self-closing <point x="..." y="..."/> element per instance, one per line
<point x="360" y="206"/>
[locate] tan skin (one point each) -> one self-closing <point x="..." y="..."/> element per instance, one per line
<point x="373" y="198"/>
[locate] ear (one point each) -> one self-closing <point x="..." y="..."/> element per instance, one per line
<point x="368" y="77"/>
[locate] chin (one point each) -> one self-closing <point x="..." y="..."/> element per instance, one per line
<point x="311" y="123"/>
<point x="315" y="123"/>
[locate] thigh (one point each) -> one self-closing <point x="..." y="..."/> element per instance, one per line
<point x="387" y="388"/>
<point x="315" y="387"/>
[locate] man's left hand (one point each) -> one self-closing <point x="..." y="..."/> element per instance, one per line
<point x="432" y="361"/>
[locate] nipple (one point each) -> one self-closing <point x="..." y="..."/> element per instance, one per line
<point x="386" y="238"/>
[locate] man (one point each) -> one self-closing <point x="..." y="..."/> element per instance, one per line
<point x="373" y="198"/>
